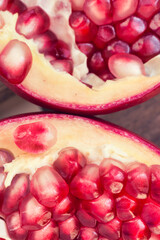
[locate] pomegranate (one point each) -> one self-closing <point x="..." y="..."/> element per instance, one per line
<point x="71" y="55"/>
<point x="96" y="182"/>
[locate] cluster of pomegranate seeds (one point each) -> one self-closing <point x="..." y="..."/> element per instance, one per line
<point x="74" y="199"/>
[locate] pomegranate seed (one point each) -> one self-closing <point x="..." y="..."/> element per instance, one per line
<point x="16" y="6"/>
<point x="99" y="11"/>
<point x="14" y="228"/>
<point x="49" y="232"/>
<point x="35" y="137"/>
<point x="110" y="230"/>
<point x="138" y="180"/>
<point x="85" y="219"/>
<point x="63" y="65"/>
<point x="5" y="157"/>
<point x="15" y="71"/>
<point x="147" y="8"/>
<point x="84" y="29"/>
<point x="77" y="4"/>
<point x="155" y="183"/>
<point x="87" y="234"/>
<point x="33" y="215"/>
<point x="102" y="238"/>
<point x="126" y="208"/>
<point x="45" y="41"/>
<point x="65" y="209"/>
<point x="18" y="189"/>
<point x="69" y="162"/>
<point x="106" y="75"/>
<point x="135" y="229"/>
<point x="130" y="29"/>
<point x="104" y="35"/>
<point x="112" y="175"/>
<point x="114" y="48"/>
<point x="102" y="208"/>
<point x="155" y="24"/>
<point x="2" y="181"/>
<point x="32" y="22"/>
<point x="87" y="48"/>
<point x="151" y="216"/>
<point x="48" y="187"/>
<point x="147" y="46"/>
<point x="69" y="229"/>
<point x="122" y="11"/>
<point x="97" y="63"/>
<point x="86" y="184"/>
<point x="124" y="64"/>
<point x="3" y="4"/>
<point x="61" y="50"/>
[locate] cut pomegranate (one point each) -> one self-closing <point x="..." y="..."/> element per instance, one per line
<point x="69" y="229"/>
<point x="32" y="22"/>
<point x="63" y="65"/>
<point x="5" y="157"/>
<point x="15" y="70"/>
<point x="101" y="208"/>
<point x="49" y="232"/>
<point x="69" y="162"/>
<point x="87" y="234"/>
<point x="110" y="230"/>
<point x="33" y="215"/>
<point x="35" y="137"/>
<point x="104" y="34"/>
<point x="16" y="6"/>
<point x="147" y="8"/>
<point x="155" y="24"/>
<point x="135" y="229"/>
<point x="48" y="186"/>
<point x="14" y="227"/>
<point x="86" y="184"/>
<point x="123" y="64"/>
<point x="155" y="183"/>
<point x="85" y="219"/>
<point x="112" y="175"/>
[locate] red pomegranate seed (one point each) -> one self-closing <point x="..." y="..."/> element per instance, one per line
<point x="135" y="229"/>
<point x="112" y="175"/>
<point x="16" y="6"/>
<point x="102" y="208"/>
<point x="99" y="11"/>
<point x="15" y="230"/>
<point x="3" y="4"/>
<point x="104" y="34"/>
<point x="84" y="29"/>
<point x="110" y="230"/>
<point x="64" y="209"/>
<point x="2" y="181"/>
<point x="97" y="63"/>
<point x="138" y="177"/>
<point x="69" y="229"/>
<point x="126" y="208"/>
<point x="63" y="65"/>
<point x="147" y="46"/>
<point x="15" y="71"/>
<point x="5" y="156"/>
<point x="87" y="48"/>
<point x="114" y="48"/>
<point x="61" y="50"/>
<point x="155" y="24"/>
<point x="85" y="219"/>
<point x="130" y="29"/>
<point x="33" y="215"/>
<point x="155" y="183"/>
<point x="35" y="137"/>
<point x="48" y="187"/>
<point x="103" y="238"/>
<point x="147" y="8"/>
<point x="122" y="11"/>
<point x="151" y="216"/>
<point x="45" y="41"/>
<point x="86" y="184"/>
<point x="49" y="232"/>
<point x="123" y="64"/>
<point x="77" y="4"/>
<point x="87" y="234"/>
<point x="69" y="162"/>
<point x="32" y="22"/>
<point x="18" y="189"/>
<point x="106" y="75"/>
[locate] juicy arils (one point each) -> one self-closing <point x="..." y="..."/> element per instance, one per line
<point x="88" y="56"/>
<point x="76" y="188"/>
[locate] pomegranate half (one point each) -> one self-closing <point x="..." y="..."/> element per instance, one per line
<point x="84" y="56"/>
<point x="67" y="177"/>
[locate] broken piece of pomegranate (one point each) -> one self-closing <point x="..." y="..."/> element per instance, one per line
<point x="83" y="56"/>
<point x="96" y="182"/>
